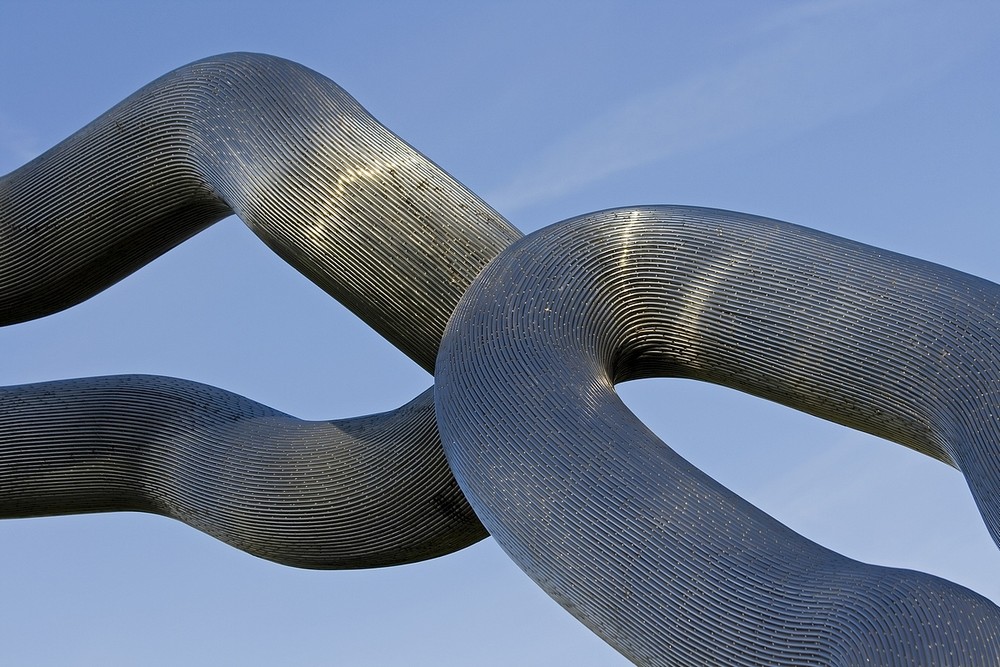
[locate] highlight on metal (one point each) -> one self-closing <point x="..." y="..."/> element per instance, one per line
<point x="523" y="435"/>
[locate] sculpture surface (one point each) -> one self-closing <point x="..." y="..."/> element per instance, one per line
<point x="666" y="565"/>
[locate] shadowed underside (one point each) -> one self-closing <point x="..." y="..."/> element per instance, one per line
<point x="654" y="556"/>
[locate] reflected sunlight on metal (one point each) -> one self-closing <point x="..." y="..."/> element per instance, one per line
<point x="663" y="563"/>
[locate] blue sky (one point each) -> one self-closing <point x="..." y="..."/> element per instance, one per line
<point x="872" y="119"/>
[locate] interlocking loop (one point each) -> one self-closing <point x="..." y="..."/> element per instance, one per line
<point x="659" y="560"/>
<point x="665" y="563"/>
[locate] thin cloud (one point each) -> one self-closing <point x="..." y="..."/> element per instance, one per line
<point x="17" y="146"/>
<point x="809" y="65"/>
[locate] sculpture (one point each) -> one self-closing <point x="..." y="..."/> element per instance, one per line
<point x="302" y="170"/>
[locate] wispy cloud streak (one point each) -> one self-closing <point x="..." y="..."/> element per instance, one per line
<point x="17" y="146"/>
<point x="803" y="67"/>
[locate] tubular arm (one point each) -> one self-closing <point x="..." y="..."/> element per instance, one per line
<point x="663" y="562"/>
<point x="347" y="203"/>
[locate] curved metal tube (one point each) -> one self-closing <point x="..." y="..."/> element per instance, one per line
<point x="344" y="201"/>
<point x="338" y="196"/>
<point x="660" y="560"/>
<point x="354" y="493"/>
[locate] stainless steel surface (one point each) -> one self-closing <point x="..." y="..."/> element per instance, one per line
<point x="660" y="560"/>
<point x="666" y="565"/>
<point x="322" y="183"/>
<point x="338" y="196"/>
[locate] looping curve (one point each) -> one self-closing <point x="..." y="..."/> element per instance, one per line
<point x="663" y="562"/>
<point x="658" y="559"/>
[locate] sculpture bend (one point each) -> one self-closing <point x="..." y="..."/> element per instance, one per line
<point x="658" y="559"/>
<point x="666" y="564"/>
<point x="342" y="199"/>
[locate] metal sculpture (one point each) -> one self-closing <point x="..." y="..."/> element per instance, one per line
<point x="628" y="535"/>
<point x="663" y="563"/>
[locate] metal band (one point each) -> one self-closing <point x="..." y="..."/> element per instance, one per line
<point x="662" y="562"/>
<point x="347" y="203"/>
<point x="329" y="189"/>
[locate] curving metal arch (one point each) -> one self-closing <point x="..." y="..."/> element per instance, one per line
<point x="659" y="560"/>
<point x="663" y="562"/>
<point x="342" y="199"/>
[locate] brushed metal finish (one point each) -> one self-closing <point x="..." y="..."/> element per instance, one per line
<point x="329" y="189"/>
<point x="663" y="562"/>
<point x="355" y="493"/>
<point x="344" y="201"/>
<point x="651" y="554"/>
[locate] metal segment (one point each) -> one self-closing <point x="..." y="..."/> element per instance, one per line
<point x="654" y="556"/>
<point x="354" y="493"/>
<point x="342" y="199"/>
<point x="338" y="196"/>
<point x="660" y="560"/>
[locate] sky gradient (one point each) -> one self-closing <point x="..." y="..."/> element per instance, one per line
<point x="873" y="120"/>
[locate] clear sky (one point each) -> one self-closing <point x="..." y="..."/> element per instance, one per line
<point x="871" y="119"/>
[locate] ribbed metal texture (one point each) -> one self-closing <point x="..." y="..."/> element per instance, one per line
<point x="656" y="557"/>
<point x="342" y="199"/>
<point x="354" y="493"/>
